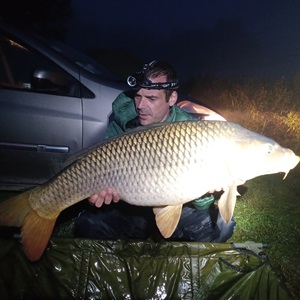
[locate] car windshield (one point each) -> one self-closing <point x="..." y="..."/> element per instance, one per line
<point x="83" y="61"/>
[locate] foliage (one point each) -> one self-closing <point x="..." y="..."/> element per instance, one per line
<point x="270" y="107"/>
<point x="292" y="121"/>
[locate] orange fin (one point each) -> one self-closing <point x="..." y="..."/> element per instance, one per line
<point x="36" y="231"/>
<point x="14" y="210"/>
<point x="167" y="219"/>
<point x="227" y="202"/>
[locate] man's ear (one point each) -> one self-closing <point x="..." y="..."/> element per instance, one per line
<point x="173" y="98"/>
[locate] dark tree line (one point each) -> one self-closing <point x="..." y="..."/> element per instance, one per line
<point x="47" y="17"/>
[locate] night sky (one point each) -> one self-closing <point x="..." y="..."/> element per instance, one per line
<point x="224" y="38"/>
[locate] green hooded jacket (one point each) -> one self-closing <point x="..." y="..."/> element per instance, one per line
<point x="124" y="113"/>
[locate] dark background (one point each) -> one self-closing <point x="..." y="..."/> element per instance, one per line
<point x="230" y="38"/>
<point x="226" y="38"/>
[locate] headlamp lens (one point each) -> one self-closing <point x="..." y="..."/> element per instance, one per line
<point x="131" y="81"/>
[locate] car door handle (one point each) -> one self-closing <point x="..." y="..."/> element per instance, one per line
<point x="57" y="149"/>
<point x="32" y="147"/>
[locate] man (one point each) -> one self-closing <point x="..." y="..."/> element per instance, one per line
<point x="151" y="100"/>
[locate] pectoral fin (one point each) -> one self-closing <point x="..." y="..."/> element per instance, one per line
<point x="167" y="218"/>
<point x="227" y="202"/>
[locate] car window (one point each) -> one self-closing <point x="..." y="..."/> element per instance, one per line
<point x="24" y="69"/>
<point x="83" y="61"/>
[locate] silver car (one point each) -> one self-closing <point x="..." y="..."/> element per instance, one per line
<point x="53" y="103"/>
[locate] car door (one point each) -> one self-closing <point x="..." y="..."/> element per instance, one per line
<point x="40" y="115"/>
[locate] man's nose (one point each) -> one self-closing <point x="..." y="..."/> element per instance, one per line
<point x="141" y="103"/>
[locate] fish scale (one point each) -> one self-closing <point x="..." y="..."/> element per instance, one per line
<point x="156" y="157"/>
<point x="164" y="166"/>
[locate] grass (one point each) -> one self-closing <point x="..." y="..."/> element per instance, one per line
<point x="269" y="212"/>
<point x="271" y="108"/>
<point x="269" y="208"/>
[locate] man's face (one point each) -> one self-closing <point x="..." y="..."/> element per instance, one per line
<point x="152" y="105"/>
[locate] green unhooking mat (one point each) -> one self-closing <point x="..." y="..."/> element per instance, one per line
<point x="88" y="269"/>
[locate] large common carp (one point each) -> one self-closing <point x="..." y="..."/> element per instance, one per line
<point x="163" y="166"/>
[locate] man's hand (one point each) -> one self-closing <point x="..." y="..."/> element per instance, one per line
<point x="106" y="196"/>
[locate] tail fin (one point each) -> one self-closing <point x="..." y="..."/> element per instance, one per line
<point x="36" y="231"/>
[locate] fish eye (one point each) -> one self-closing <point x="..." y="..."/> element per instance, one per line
<point x="269" y="148"/>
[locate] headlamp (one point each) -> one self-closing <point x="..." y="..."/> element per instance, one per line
<point x="139" y="80"/>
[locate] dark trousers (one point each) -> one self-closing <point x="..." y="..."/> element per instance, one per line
<point x="123" y="221"/>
